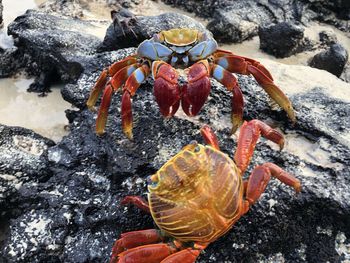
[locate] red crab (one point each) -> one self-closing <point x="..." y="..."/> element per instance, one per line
<point x="180" y="48"/>
<point x="197" y="196"/>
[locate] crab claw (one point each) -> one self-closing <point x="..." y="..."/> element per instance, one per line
<point x="196" y="92"/>
<point x="166" y="88"/>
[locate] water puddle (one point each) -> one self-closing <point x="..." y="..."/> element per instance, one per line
<point x="44" y="115"/>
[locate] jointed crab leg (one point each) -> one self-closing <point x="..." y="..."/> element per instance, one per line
<point x="248" y="137"/>
<point x="138" y="201"/>
<point x="210" y="137"/>
<point x="103" y="111"/>
<point x="153" y="253"/>
<point x="247" y="66"/>
<point x="230" y="82"/>
<point x="260" y="177"/>
<point x="113" y="85"/>
<point x="131" y="85"/>
<point x="103" y="78"/>
<point x="184" y="256"/>
<point x="134" y="239"/>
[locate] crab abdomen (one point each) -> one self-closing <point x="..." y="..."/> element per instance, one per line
<point x="198" y="197"/>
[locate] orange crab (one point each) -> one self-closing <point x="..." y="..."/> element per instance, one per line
<point x="198" y="54"/>
<point x="197" y="196"/>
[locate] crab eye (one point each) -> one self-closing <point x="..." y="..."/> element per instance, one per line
<point x="150" y="182"/>
<point x="197" y="149"/>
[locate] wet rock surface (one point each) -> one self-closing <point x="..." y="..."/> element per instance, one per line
<point x="129" y="31"/>
<point x="72" y="214"/>
<point x="333" y="59"/>
<point x="50" y="47"/>
<point x="235" y="21"/>
<point x="283" y="39"/>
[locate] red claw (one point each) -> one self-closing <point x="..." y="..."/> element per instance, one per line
<point x="196" y="92"/>
<point x="166" y="88"/>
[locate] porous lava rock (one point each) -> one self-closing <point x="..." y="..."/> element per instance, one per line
<point x="333" y="59"/>
<point x="283" y="39"/>
<point x="236" y="21"/>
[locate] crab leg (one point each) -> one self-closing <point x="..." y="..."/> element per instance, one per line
<point x="103" y="78"/>
<point x="131" y="85"/>
<point x="166" y="88"/>
<point x="248" y="137"/>
<point x="153" y="253"/>
<point x="138" y="201"/>
<point x="184" y="256"/>
<point x="230" y="82"/>
<point x="260" y="177"/>
<point x="247" y="66"/>
<point x="210" y="137"/>
<point x="134" y="239"/>
<point x="196" y="92"/>
<point x="113" y="85"/>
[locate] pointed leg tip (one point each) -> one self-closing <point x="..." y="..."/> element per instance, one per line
<point x="297" y="187"/>
<point x="281" y="144"/>
<point x="100" y="132"/>
<point x="128" y="134"/>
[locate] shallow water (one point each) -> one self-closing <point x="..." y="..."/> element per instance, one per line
<point x="44" y="115"/>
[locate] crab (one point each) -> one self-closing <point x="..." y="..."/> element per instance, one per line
<point x="183" y="48"/>
<point x="197" y="196"/>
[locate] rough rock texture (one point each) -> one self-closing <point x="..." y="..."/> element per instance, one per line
<point x="73" y="214"/>
<point x="50" y="47"/>
<point x="127" y="32"/>
<point x="328" y="37"/>
<point x="283" y="39"/>
<point x="333" y="60"/>
<point x="235" y="21"/>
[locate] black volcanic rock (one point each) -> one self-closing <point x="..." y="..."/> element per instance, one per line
<point x="328" y="37"/>
<point x="51" y="47"/>
<point x="235" y="21"/>
<point x="333" y="59"/>
<point x="283" y="39"/>
<point x="73" y="213"/>
<point x="128" y="31"/>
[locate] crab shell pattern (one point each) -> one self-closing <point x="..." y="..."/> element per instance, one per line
<point x="197" y="196"/>
<point x="198" y="54"/>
